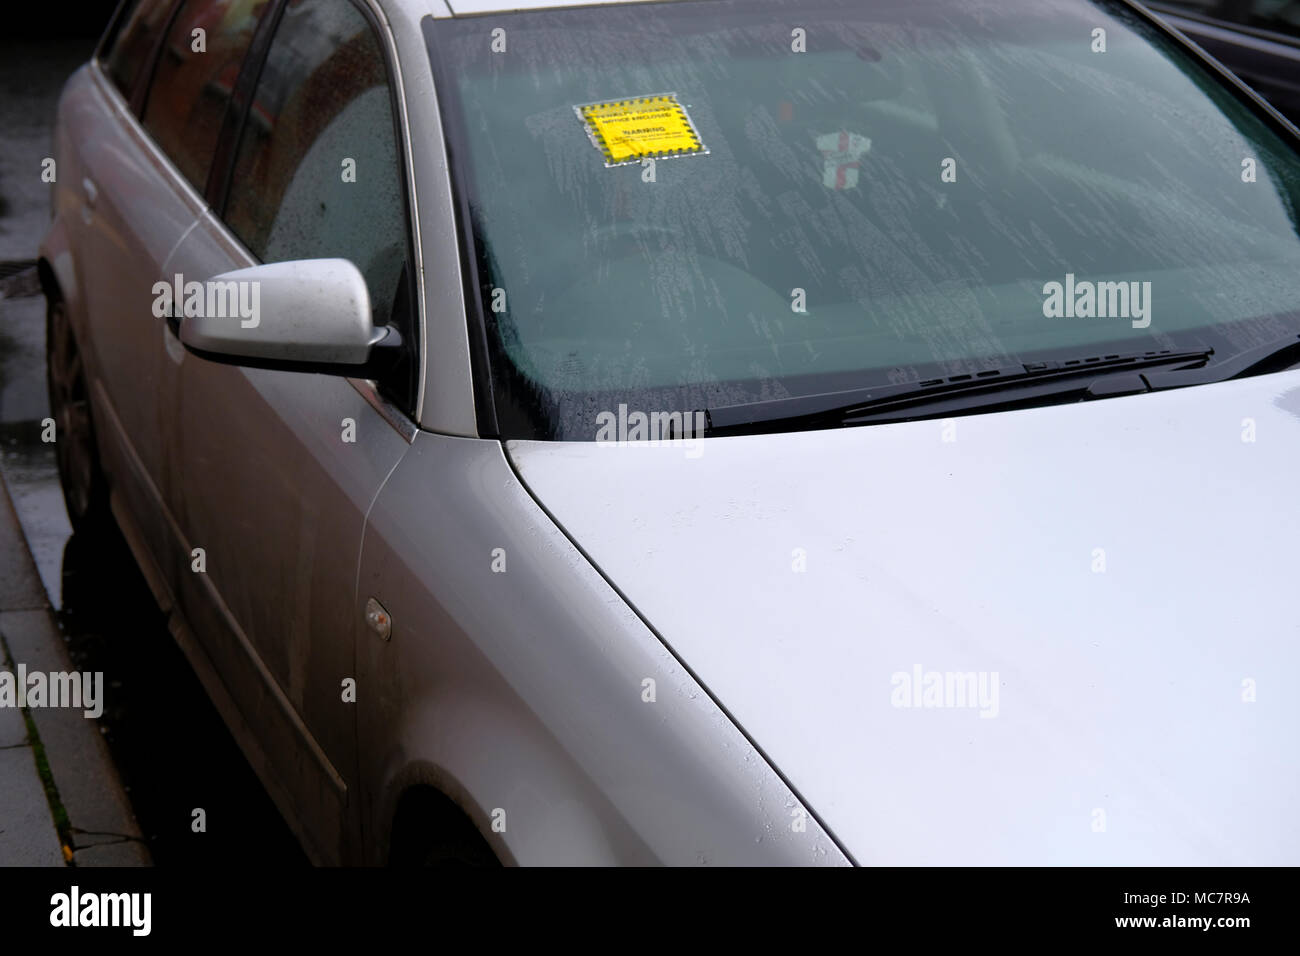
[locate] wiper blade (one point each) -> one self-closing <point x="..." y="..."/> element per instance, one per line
<point x="1270" y="357"/>
<point x="1030" y="381"/>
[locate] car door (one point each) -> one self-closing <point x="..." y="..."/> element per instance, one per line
<point x="133" y="213"/>
<point x="272" y="472"/>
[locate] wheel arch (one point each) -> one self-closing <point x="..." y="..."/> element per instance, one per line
<point x="423" y="804"/>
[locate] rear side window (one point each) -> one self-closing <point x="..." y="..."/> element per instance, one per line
<point x="137" y="29"/>
<point x="196" y="73"/>
<point x="317" y="173"/>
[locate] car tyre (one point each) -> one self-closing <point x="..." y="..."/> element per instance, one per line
<point x="85" y="489"/>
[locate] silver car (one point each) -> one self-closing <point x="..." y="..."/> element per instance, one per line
<point x="701" y="432"/>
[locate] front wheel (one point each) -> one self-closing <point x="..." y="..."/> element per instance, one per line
<point x="85" y="491"/>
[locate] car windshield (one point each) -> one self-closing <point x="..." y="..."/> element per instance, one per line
<point x="678" y="206"/>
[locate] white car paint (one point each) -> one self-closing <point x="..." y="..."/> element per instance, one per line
<point x="1121" y="734"/>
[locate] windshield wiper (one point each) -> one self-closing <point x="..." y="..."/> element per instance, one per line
<point x="1009" y="386"/>
<point x="1093" y="376"/>
<point x="1269" y="357"/>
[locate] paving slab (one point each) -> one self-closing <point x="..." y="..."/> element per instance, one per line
<point x="20" y="584"/>
<point x="78" y="756"/>
<point x="88" y="784"/>
<point x="13" y="729"/>
<point x="27" y="834"/>
<point x="123" y="853"/>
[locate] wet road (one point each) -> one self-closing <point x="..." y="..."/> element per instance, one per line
<point x="171" y="748"/>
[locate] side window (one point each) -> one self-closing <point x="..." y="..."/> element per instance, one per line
<point x="317" y="173"/>
<point x="195" y="75"/>
<point x="136" y="28"/>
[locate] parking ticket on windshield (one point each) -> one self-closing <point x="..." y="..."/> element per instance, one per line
<point x="646" y="127"/>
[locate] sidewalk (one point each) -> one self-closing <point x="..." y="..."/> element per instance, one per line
<point x="27" y="833"/>
<point x="61" y="800"/>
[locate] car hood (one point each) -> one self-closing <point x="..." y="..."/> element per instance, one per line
<point x="1120" y="573"/>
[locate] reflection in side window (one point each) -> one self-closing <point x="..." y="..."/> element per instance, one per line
<point x="195" y="76"/>
<point x="138" y="30"/>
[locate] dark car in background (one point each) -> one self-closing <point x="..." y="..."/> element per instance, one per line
<point x="1259" y="40"/>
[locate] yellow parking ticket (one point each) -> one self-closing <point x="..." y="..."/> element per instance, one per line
<point x="644" y="127"/>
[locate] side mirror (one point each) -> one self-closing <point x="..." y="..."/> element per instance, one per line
<point x="310" y="315"/>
